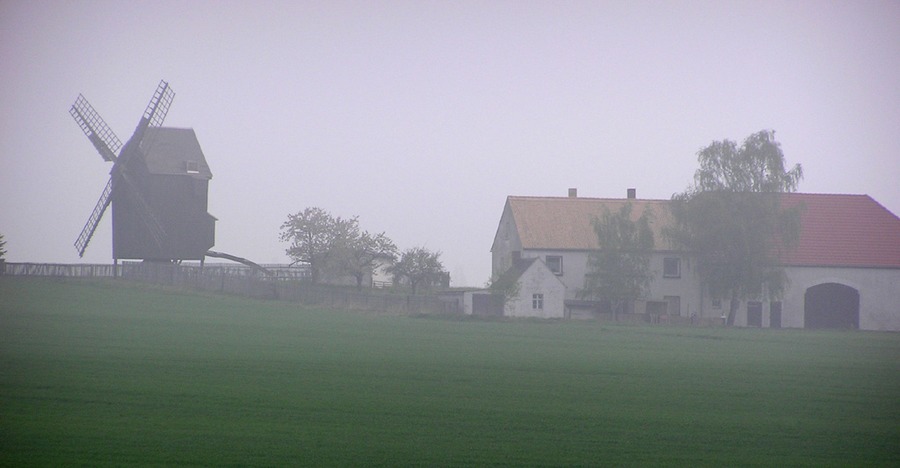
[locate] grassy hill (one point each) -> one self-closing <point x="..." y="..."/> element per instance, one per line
<point x="113" y="373"/>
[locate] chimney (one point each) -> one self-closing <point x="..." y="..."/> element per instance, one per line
<point x="573" y="193"/>
<point x="632" y="194"/>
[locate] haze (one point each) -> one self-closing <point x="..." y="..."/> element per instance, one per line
<point x="421" y="117"/>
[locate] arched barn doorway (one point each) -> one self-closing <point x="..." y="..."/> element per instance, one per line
<point x="831" y="305"/>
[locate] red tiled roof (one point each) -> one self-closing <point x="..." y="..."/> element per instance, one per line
<point x="836" y="230"/>
<point x="844" y="230"/>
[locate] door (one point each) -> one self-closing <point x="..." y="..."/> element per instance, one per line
<point x="754" y="314"/>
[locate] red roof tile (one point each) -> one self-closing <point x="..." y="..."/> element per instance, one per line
<point x="844" y="230"/>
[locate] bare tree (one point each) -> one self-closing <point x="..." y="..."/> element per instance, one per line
<point x="315" y="237"/>
<point x="360" y="254"/>
<point x="419" y="266"/>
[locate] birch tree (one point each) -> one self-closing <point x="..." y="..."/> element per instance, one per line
<point x="732" y="220"/>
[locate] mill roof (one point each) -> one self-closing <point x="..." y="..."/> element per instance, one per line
<point x="838" y="230"/>
<point x="174" y="151"/>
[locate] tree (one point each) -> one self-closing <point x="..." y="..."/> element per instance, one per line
<point x="316" y="236"/>
<point x="504" y="286"/>
<point x="731" y="218"/>
<point x="619" y="270"/>
<point x="419" y="266"/>
<point x="2" y="247"/>
<point x="359" y="255"/>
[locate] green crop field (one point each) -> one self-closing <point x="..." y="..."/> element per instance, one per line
<point x="113" y="373"/>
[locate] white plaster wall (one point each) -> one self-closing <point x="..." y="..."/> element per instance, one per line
<point x="574" y="266"/>
<point x="879" y="297"/>
<point x="538" y="279"/>
<point x="687" y="287"/>
<point x="879" y="294"/>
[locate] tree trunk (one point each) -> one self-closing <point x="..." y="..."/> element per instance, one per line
<point x="732" y="309"/>
<point x="313" y="273"/>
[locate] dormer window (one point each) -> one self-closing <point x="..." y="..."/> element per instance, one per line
<point x="192" y="167"/>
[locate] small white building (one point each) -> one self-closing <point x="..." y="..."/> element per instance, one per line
<point x="539" y="292"/>
<point x="844" y="272"/>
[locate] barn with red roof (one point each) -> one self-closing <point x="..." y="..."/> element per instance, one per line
<point x="843" y="273"/>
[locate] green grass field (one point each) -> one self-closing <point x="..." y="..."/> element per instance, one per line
<point x="112" y="373"/>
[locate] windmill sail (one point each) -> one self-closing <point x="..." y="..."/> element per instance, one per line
<point x="158" y="107"/>
<point x="101" y="136"/>
<point x="91" y="225"/>
<point x="156" y="110"/>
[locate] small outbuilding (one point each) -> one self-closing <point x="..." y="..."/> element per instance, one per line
<point x="538" y="292"/>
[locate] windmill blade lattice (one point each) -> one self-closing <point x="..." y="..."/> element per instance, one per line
<point x="154" y="114"/>
<point x="158" y="107"/>
<point x="95" y="128"/>
<point x="91" y="225"/>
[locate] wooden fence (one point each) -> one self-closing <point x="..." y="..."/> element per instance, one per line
<point x="239" y="283"/>
<point x="58" y="269"/>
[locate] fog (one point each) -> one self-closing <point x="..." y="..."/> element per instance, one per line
<point x="421" y="117"/>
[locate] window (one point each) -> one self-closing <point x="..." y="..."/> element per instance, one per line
<point x="671" y="267"/>
<point x="192" y="167"/>
<point x="537" y="301"/>
<point x="717" y="304"/>
<point x="554" y="263"/>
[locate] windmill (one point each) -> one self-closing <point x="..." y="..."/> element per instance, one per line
<point x="157" y="186"/>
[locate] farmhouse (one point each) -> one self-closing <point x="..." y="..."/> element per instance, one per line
<point x="844" y="273"/>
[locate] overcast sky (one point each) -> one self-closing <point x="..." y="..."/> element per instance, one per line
<point x="422" y="117"/>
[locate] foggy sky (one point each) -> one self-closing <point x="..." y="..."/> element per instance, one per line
<point x="421" y="117"/>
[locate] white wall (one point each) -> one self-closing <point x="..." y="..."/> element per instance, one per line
<point x="879" y="297"/>
<point x="574" y="265"/>
<point x="538" y="279"/>
<point x="687" y="287"/>
<point x="879" y="294"/>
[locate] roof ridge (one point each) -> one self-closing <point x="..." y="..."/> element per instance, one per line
<point x="537" y="197"/>
<point x="837" y="229"/>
